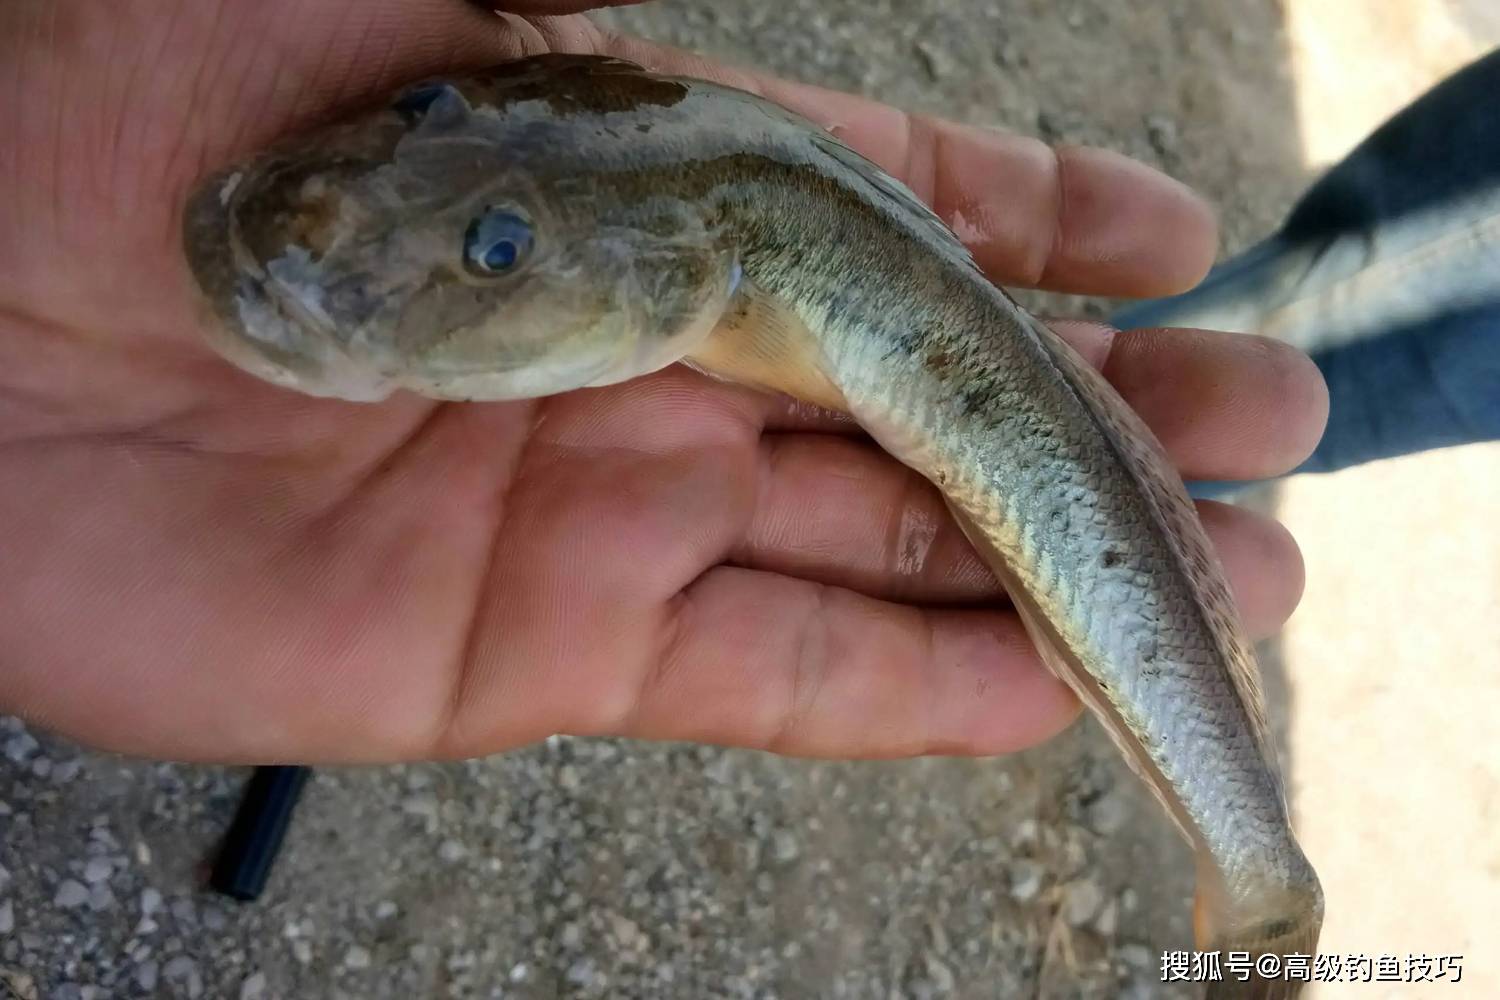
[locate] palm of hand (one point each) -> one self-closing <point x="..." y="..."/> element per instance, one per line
<point x="200" y="565"/>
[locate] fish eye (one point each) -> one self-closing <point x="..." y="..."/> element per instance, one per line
<point x="496" y="243"/>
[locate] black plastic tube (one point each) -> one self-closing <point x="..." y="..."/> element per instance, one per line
<point x="254" y="838"/>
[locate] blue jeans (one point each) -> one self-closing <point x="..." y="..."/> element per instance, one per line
<point x="1388" y="273"/>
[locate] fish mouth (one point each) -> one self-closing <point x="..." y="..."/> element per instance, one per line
<point x="253" y="319"/>
<point x="240" y="218"/>
<point x="210" y="243"/>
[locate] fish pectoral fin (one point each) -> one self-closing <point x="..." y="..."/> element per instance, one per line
<point x="762" y="342"/>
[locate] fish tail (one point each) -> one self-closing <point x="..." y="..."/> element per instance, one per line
<point x="1276" y="953"/>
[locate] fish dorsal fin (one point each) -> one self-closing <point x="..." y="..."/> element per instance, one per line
<point x="1159" y="483"/>
<point x="899" y="198"/>
<point x="762" y="343"/>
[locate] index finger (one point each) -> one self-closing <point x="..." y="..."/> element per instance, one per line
<point x="1065" y="218"/>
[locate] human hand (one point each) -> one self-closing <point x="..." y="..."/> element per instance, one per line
<point x="195" y="564"/>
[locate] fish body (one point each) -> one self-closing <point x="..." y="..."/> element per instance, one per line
<point x="634" y="221"/>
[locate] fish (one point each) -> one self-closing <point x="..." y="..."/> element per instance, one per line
<point x="567" y="221"/>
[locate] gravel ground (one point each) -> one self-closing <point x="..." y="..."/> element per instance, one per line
<point x="602" y="868"/>
<point x="586" y="869"/>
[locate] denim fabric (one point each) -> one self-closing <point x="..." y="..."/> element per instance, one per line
<point x="1388" y="273"/>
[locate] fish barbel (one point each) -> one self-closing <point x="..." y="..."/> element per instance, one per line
<point x="569" y="221"/>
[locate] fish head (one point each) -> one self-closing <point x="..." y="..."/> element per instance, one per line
<point x="458" y="248"/>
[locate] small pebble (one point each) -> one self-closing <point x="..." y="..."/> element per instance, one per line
<point x="1162" y="131"/>
<point x="184" y="970"/>
<point x="451" y="851"/>
<point x="184" y="912"/>
<point x="1081" y="901"/>
<point x="357" y="957"/>
<point x="21" y="746"/>
<point x="101" y="897"/>
<point x="1025" y="880"/>
<point x="939" y="936"/>
<point x="581" y="973"/>
<point x="70" y="893"/>
<point x="1024" y="833"/>
<point x="179" y="967"/>
<point x="934" y="60"/>
<point x="254" y="986"/>
<point x="424" y="807"/>
<point x="97" y="870"/>
<point x="1108" y="920"/>
<point x="7" y="917"/>
<point x="941" y="976"/>
<point x="1109" y="813"/>
<point x="624" y="930"/>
